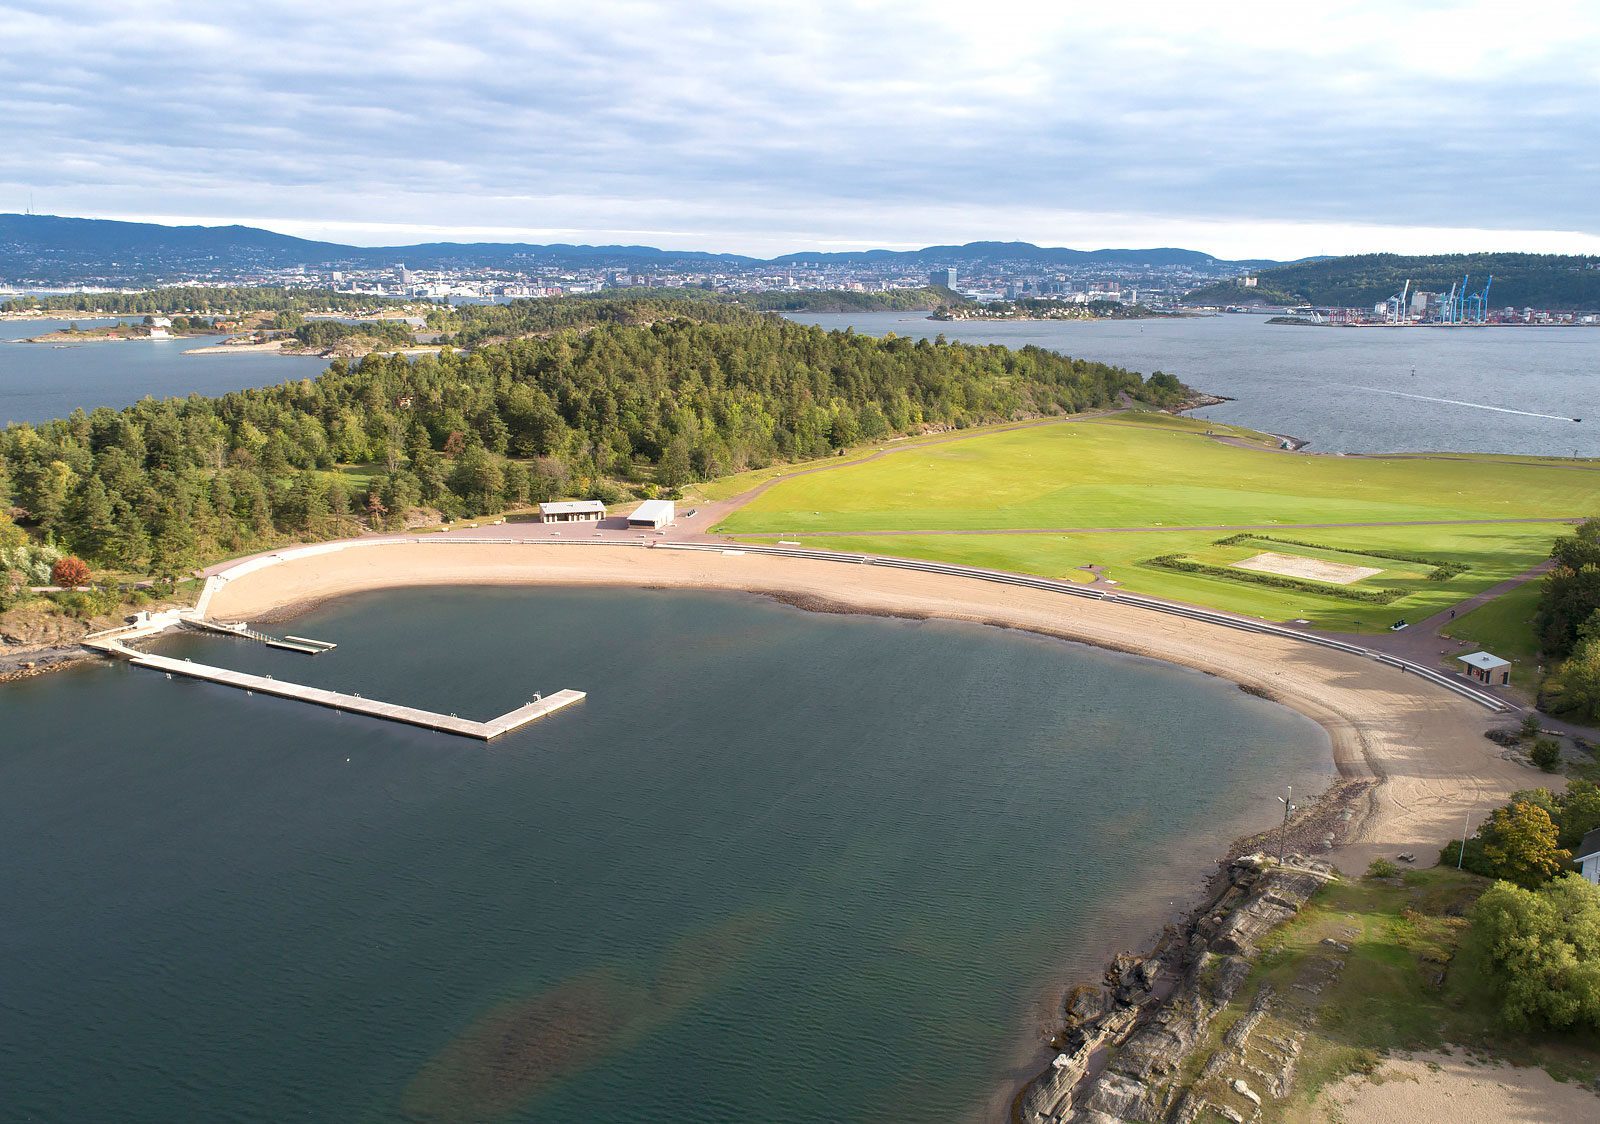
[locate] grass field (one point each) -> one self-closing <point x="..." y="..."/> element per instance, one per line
<point x="1133" y="472"/>
<point x="1152" y="472"/>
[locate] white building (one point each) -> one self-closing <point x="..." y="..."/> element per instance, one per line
<point x="1487" y="668"/>
<point x="654" y="514"/>
<point x="1588" y="856"/>
<point x="572" y="511"/>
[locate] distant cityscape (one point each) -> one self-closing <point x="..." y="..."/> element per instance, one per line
<point x="1151" y="285"/>
<point x="51" y="254"/>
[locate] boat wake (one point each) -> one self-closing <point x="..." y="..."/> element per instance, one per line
<point x="1458" y="402"/>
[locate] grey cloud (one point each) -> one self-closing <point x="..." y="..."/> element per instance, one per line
<point x="505" y="113"/>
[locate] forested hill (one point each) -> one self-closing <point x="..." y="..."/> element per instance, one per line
<point x="707" y="390"/>
<point x="926" y="299"/>
<point x="50" y="249"/>
<point x="209" y="299"/>
<point x="1520" y="280"/>
<point x="472" y="324"/>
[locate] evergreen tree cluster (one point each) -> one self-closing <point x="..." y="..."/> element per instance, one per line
<point x="164" y="485"/>
<point x="208" y="299"/>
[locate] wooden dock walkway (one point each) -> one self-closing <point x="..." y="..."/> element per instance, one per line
<point x="355" y="704"/>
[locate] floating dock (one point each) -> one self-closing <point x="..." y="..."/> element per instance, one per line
<point x="355" y="704"/>
<point x="244" y="632"/>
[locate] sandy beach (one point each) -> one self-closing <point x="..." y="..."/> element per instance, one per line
<point x="1422" y="744"/>
<point x="1455" y="1087"/>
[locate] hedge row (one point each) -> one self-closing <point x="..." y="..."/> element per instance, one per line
<point x="1190" y="566"/>
<point x="1442" y="571"/>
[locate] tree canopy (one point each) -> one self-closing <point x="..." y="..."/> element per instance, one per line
<point x="1544" y="950"/>
<point x="209" y="299"/>
<point x="700" y="390"/>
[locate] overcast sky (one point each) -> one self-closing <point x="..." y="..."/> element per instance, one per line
<point x="763" y="127"/>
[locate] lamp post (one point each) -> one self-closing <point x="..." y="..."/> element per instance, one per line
<point x="1288" y="810"/>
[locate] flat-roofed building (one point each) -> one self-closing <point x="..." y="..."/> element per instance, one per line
<point x="1487" y="668"/>
<point x="654" y="514"/>
<point x="572" y="511"/>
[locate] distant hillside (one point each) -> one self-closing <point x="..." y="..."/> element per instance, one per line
<point x="1520" y="280"/>
<point x="49" y="250"/>
<point x="992" y="253"/>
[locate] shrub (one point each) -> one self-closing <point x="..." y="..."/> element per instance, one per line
<point x="1544" y="952"/>
<point x="69" y="572"/>
<point x="1531" y="726"/>
<point x="1575" y="688"/>
<point x="1382" y="868"/>
<point x="1521" y="844"/>
<point x="1546" y="753"/>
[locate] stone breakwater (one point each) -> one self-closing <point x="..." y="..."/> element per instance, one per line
<point x="1131" y="1048"/>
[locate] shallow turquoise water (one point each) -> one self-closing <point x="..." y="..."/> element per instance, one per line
<point x="779" y="866"/>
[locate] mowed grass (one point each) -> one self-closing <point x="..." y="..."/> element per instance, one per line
<point x="1147" y="470"/>
<point x="1492" y="553"/>
<point x="1151" y="472"/>
<point x="1504" y="626"/>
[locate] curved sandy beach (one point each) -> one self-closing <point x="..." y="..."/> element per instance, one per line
<point x="1422" y="743"/>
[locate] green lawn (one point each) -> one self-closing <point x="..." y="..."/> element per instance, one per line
<point x="1505" y="627"/>
<point x="1135" y="471"/>
<point x="1493" y="553"/>
<point x="1149" y="471"/>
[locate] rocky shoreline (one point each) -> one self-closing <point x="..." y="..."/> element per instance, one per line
<point x="1128" y="1041"/>
<point x="1167" y="996"/>
<point x="39" y="661"/>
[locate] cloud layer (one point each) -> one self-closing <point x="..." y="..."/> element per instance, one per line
<point x="777" y="126"/>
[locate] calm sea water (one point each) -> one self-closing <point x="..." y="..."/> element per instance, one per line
<point x="1346" y="390"/>
<point x="779" y="866"/>
<point x="40" y="381"/>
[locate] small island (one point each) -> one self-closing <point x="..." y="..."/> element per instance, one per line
<point x="150" y="328"/>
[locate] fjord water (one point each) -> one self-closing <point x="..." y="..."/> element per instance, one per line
<point x="1346" y="390"/>
<point x="779" y="866"/>
<point x="40" y="381"/>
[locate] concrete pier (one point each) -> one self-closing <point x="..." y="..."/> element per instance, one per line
<point x="355" y="704"/>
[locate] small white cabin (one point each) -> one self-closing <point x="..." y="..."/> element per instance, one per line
<point x="653" y="514"/>
<point x="1487" y="668"/>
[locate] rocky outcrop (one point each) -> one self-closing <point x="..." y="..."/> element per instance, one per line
<point x="1127" y="1044"/>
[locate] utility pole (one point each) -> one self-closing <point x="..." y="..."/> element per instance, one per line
<point x="1288" y="810"/>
